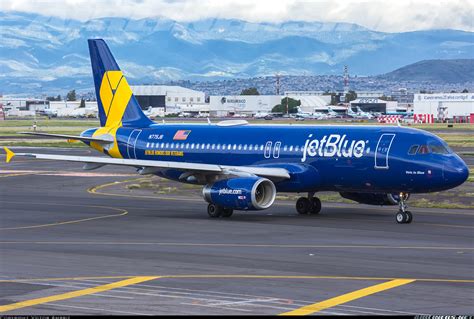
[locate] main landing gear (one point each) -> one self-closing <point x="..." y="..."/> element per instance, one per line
<point x="308" y="205"/>
<point x="216" y="211"/>
<point x="403" y="216"/>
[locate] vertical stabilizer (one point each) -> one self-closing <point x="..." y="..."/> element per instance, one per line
<point x="117" y="104"/>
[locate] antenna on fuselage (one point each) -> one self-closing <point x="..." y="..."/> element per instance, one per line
<point x="398" y="122"/>
<point x="209" y="121"/>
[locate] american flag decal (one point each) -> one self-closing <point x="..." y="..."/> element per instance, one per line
<point x="181" y="135"/>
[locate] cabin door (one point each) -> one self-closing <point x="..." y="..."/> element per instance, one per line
<point x="132" y="143"/>
<point x="382" y="151"/>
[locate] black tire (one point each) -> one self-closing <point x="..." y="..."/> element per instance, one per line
<point x="315" y="206"/>
<point x="303" y="206"/>
<point x="214" y="211"/>
<point x="401" y="218"/>
<point x="227" y="212"/>
<point x="409" y="217"/>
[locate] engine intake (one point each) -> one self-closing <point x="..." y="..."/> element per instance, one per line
<point x="241" y="193"/>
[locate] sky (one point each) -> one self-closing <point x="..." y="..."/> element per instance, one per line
<point x="379" y="15"/>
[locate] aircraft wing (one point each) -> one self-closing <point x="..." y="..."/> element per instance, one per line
<point x="149" y="166"/>
<point x="105" y="139"/>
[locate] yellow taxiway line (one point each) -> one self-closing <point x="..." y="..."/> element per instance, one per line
<point x="351" y="296"/>
<point x="244" y="276"/>
<point x="98" y="190"/>
<point x="74" y="294"/>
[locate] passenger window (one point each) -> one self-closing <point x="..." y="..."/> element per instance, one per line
<point x="423" y="149"/>
<point x="245" y="147"/>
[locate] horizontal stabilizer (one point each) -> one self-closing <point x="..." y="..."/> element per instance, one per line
<point x="105" y="139"/>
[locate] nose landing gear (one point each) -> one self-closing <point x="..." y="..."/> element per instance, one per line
<point x="403" y="216"/>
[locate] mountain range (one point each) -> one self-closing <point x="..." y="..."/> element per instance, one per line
<point x="42" y="54"/>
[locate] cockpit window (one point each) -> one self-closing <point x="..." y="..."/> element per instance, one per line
<point x="423" y="149"/>
<point x="438" y="148"/>
<point x="413" y="149"/>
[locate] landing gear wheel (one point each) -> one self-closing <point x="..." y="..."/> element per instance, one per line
<point x="315" y="206"/>
<point x="227" y="212"/>
<point x="401" y="217"/>
<point x="303" y="206"/>
<point x="214" y="211"/>
<point x="404" y="217"/>
<point x="409" y="217"/>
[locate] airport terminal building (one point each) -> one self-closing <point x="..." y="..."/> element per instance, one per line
<point x="444" y="105"/>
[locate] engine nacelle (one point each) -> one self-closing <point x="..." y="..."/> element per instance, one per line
<point x="241" y="193"/>
<point x="372" y="198"/>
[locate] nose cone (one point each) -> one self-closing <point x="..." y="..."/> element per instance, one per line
<point x="456" y="173"/>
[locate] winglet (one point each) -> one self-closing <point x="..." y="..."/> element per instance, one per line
<point x="10" y="154"/>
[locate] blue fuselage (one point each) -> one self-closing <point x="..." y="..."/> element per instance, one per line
<point x="369" y="159"/>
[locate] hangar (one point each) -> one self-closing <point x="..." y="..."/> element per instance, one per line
<point x="171" y="98"/>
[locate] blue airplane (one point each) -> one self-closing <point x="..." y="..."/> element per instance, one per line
<point x="242" y="166"/>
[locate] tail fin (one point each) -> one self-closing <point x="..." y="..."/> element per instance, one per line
<point x="117" y="104"/>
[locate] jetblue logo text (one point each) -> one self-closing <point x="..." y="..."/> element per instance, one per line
<point x="334" y="145"/>
<point x="227" y="191"/>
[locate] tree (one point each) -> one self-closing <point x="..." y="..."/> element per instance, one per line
<point x="71" y="95"/>
<point x="292" y="106"/>
<point x="250" y="91"/>
<point x="351" y="96"/>
<point x="465" y="91"/>
<point x="83" y="103"/>
<point x="52" y="98"/>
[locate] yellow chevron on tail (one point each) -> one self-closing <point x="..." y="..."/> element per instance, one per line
<point x="115" y="93"/>
<point x="10" y="154"/>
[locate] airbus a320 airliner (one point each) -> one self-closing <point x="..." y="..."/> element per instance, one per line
<point x="242" y="166"/>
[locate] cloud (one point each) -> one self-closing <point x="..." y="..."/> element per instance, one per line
<point x="402" y="15"/>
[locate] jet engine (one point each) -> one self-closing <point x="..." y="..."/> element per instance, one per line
<point x="241" y="193"/>
<point x="372" y="198"/>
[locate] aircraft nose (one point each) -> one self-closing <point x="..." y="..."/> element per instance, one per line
<point x="457" y="173"/>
